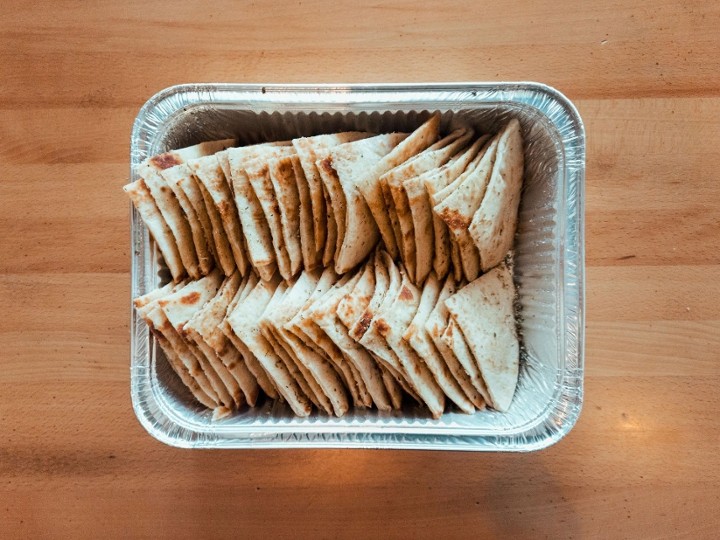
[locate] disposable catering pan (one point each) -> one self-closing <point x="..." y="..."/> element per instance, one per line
<point x="548" y="255"/>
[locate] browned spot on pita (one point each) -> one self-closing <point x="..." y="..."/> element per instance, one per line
<point x="352" y="312"/>
<point x="383" y="328"/>
<point x="224" y="207"/>
<point x="190" y="298"/>
<point x="165" y="161"/>
<point x="364" y="323"/>
<point x="454" y="219"/>
<point x="326" y="165"/>
<point x="406" y="294"/>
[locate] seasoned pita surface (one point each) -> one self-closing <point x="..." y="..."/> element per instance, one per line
<point x="338" y="271"/>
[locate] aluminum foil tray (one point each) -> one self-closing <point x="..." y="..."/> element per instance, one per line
<point x="549" y="260"/>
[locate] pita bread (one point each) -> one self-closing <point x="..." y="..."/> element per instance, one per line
<point x="435" y="326"/>
<point x="385" y="395"/>
<point x="252" y="216"/>
<point x="369" y="183"/>
<point x="352" y="306"/>
<point x="392" y="324"/>
<point x="365" y="330"/>
<point x="374" y="325"/>
<point x="258" y="174"/>
<point x="328" y="278"/>
<point x="302" y="373"/>
<point x="174" y="217"/>
<point x="223" y="251"/>
<point x="439" y="190"/>
<point x="145" y="205"/>
<point x="307" y="149"/>
<point x="255" y="369"/>
<point x="224" y="163"/>
<point x="323" y="313"/>
<point x="319" y="342"/>
<point x="229" y="383"/>
<point x="333" y="338"/>
<point x="208" y="171"/>
<point x="166" y="201"/>
<point x="179" y="368"/>
<point x="397" y="199"/>
<point x="205" y="326"/>
<point x="208" y="318"/>
<point x="189" y="185"/>
<point x="494" y="224"/>
<point x="307" y="236"/>
<point x="467" y="190"/>
<point x="328" y="254"/>
<point x="459" y="206"/>
<point x="394" y="389"/>
<point x="179" y="357"/>
<point x="243" y="321"/>
<point x="434" y="181"/>
<point x="399" y="379"/>
<point x="384" y="361"/>
<point x="456" y="267"/>
<point x="141" y="302"/>
<point x="356" y="382"/>
<point x="264" y="380"/>
<point x="253" y="365"/>
<point x="357" y="231"/>
<point x="465" y="261"/>
<point x="417" y="337"/>
<point x="490" y="332"/>
<point x="204" y="247"/>
<point x="284" y="182"/>
<point x="336" y="206"/>
<point x="455" y="340"/>
<point x="313" y="336"/>
<point x="321" y="370"/>
<point x="179" y="307"/>
<point x="304" y="377"/>
<point x="181" y="304"/>
<point x="245" y="151"/>
<point x="380" y="284"/>
<point x="422" y="222"/>
<point x="395" y="177"/>
<point x="351" y="376"/>
<point x="157" y="320"/>
<point x="171" y="158"/>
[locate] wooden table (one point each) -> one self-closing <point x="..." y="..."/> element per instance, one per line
<point x="644" y="459"/>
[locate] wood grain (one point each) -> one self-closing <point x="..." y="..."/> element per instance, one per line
<point x="643" y="459"/>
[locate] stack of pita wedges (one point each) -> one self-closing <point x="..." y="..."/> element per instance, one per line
<point x="339" y="270"/>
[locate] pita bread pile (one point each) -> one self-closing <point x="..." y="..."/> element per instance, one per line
<point x="338" y="271"/>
